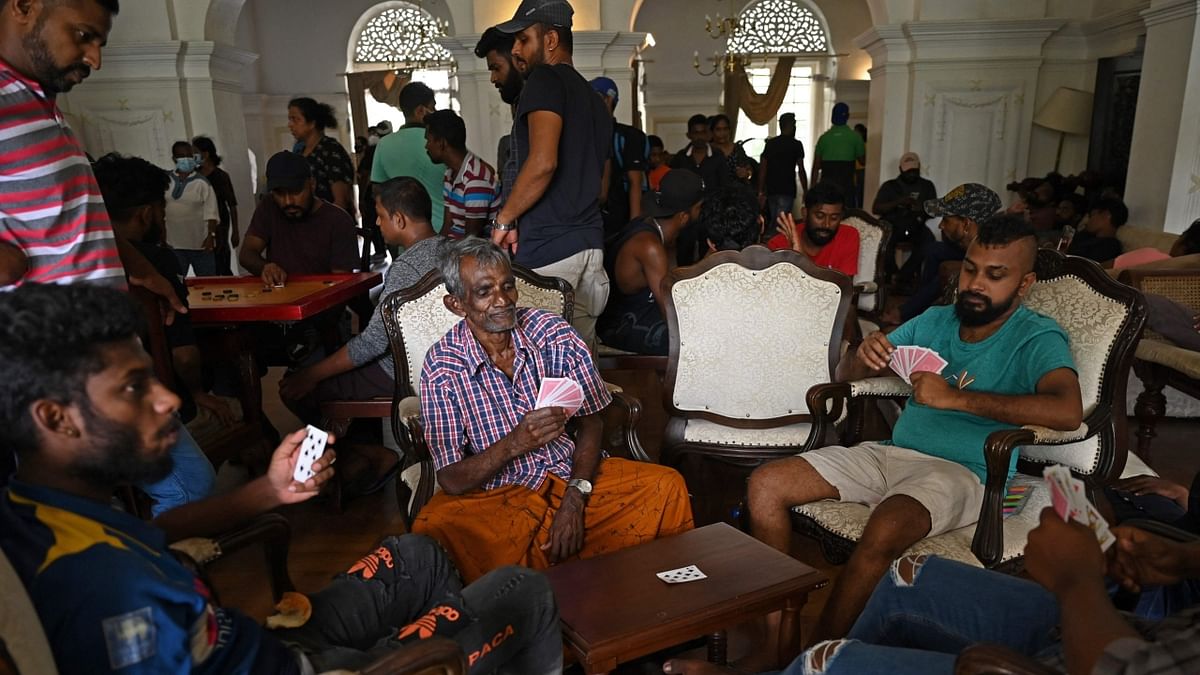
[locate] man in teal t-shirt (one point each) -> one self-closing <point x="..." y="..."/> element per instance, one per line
<point x="1007" y="366"/>
<point x="402" y="153"/>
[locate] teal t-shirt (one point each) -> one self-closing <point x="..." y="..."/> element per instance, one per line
<point x="1012" y="361"/>
<point x="840" y="144"/>
<point x="402" y="153"/>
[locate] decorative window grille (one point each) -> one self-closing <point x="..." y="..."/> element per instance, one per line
<point x="778" y="27"/>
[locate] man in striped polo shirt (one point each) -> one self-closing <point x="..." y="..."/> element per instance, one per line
<point x="53" y="224"/>
<point x="52" y="217"/>
<point x="470" y="186"/>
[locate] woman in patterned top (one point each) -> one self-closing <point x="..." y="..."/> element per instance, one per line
<point x="331" y="165"/>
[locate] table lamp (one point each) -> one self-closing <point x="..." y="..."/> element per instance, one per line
<point x="1068" y="111"/>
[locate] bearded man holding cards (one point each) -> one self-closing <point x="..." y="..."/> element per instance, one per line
<point x="1005" y="366"/>
<point x="516" y="487"/>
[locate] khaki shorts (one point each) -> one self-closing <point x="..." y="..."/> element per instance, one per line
<point x="870" y="473"/>
<point x="585" y="272"/>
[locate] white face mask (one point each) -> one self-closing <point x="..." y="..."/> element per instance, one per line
<point x="372" y="139"/>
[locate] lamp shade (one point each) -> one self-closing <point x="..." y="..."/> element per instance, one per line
<point x="1068" y="110"/>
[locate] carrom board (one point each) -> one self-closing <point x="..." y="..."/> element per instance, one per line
<point x="247" y="299"/>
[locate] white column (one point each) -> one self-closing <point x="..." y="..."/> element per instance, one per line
<point x="1163" y="186"/>
<point x="889" y="103"/>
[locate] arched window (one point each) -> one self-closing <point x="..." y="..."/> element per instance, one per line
<point x="778" y="27"/>
<point x="403" y="35"/>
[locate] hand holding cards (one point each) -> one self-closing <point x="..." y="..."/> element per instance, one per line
<point x="907" y="360"/>
<point x="560" y="392"/>
<point x="1070" y="502"/>
<point x="311" y="450"/>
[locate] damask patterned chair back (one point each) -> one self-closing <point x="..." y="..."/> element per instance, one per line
<point x="751" y="331"/>
<point x="23" y="644"/>
<point x="416" y="317"/>
<point x="1103" y="320"/>
<point x="873" y="236"/>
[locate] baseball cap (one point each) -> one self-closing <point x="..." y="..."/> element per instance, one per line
<point x="287" y="170"/>
<point x="606" y="87"/>
<point x="841" y="113"/>
<point x="529" y="12"/>
<point x="679" y="190"/>
<point x="910" y="160"/>
<point x="970" y="200"/>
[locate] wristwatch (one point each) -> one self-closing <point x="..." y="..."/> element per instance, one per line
<point x="498" y="226"/>
<point x="583" y="485"/>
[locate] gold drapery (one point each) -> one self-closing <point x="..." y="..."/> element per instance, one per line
<point x="759" y="108"/>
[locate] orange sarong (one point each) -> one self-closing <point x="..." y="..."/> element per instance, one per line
<point x="631" y="503"/>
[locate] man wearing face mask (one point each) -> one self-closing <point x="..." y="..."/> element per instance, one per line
<point x="901" y="202"/>
<point x="192" y="215"/>
<point x="823" y="238"/>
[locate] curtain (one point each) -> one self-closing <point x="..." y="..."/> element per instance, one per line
<point x="759" y="108"/>
<point x="384" y="85"/>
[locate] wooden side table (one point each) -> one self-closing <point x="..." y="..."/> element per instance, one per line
<point x="614" y="609"/>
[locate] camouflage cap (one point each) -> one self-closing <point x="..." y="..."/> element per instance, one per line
<point x="970" y="200"/>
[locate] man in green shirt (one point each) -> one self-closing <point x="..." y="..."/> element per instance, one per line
<point x="836" y="152"/>
<point x="402" y="153"/>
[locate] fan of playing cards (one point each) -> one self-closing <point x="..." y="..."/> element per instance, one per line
<point x="908" y="360"/>
<point x="560" y="392"/>
<point x="1070" y="502"/>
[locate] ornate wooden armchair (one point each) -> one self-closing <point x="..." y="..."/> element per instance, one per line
<point x="1158" y="362"/>
<point x="415" y="319"/>
<point x="751" y="331"/>
<point x="1103" y="320"/>
<point x="873" y="235"/>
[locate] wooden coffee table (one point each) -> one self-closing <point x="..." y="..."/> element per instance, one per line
<point x="614" y="609"/>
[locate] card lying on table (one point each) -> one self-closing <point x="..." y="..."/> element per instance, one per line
<point x="1070" y="502"/>
<point x="560" y="392"/>
<point x="682" y="575"/>
<point x="907" y="360"/>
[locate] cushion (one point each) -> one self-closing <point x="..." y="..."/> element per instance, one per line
<point x="848" y="520"/>
<point x="1133" y="237"/>
<point x="1183" y="360"/>
<point x="705" y="431"/>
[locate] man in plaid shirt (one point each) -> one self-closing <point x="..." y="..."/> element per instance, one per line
<point x="517" y="488"/>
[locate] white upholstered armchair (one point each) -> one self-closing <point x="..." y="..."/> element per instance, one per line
<point x="1103" y="320"/>
<point x="873" y="235"/>
<point x="751" y="331"/>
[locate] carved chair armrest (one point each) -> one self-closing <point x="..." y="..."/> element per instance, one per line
<point x="987" y="659"/>
<point x="1163" y="530"/>
<point x="866" y="287"/>
<point x="433" y="656"/>
<point x="628" y="412"/>
<point x="988" y="543"/>
<point x="1047" y="436"/>
<point x="272" y="530"/>
<point x="880" y="387"/>
<point x="825" y="403"/>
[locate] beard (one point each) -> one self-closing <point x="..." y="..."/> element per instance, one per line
<point x="53" y="78"/>
<point x="983" y="314"/>
<point x="510" y="88"/>
<point x="117" y="457"/>
<point x="297" y="213"/>
<point x="819" y="236"/>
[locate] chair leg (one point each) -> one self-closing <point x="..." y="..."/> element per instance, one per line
<point x="1151" y="405"/>
<point x="717" y="648"/>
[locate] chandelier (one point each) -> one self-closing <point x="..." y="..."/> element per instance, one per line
<point x="721" y="61"/>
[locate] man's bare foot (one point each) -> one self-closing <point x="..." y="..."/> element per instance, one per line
<point x="697" y="667"/>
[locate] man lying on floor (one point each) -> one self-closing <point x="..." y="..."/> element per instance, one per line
<point x="80" y="406"/>
<point x="1007" y="366"/>
<point x="517" y="488"/>
<point x="927" y="610"/>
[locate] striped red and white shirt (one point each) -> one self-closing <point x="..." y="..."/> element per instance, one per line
<point x="472" y="194"/>
<point x="50" y="205"/>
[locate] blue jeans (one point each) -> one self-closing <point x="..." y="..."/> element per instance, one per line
<point x="191" y="479"/>
<point x="204" y="262"/>
<point x="921" y="627"/>
<point x="509" y="619"/>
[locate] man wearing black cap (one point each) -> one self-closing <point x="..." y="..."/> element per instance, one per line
<point x="636" y="262"/>
<point x="961" y="210"/>
<point x="294" y="231"/>
<point x="552" y="216"/>
<point x="780" y="159"/>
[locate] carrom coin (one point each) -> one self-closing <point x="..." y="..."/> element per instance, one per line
<point x="218" y="297"/>
<point x="234" y="296"/>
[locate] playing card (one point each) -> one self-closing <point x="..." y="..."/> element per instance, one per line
<point x="560" y="392"/>
<point x="928" y="361"/>
<point x="1069" y="499"/>
<point x="1100" y="528"/>
<point x="682" y="575"/>
<point x="311" y="449"/>
<point x="908" y="359"/>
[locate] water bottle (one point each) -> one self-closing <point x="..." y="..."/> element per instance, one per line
<point x="1064" y="242"/>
